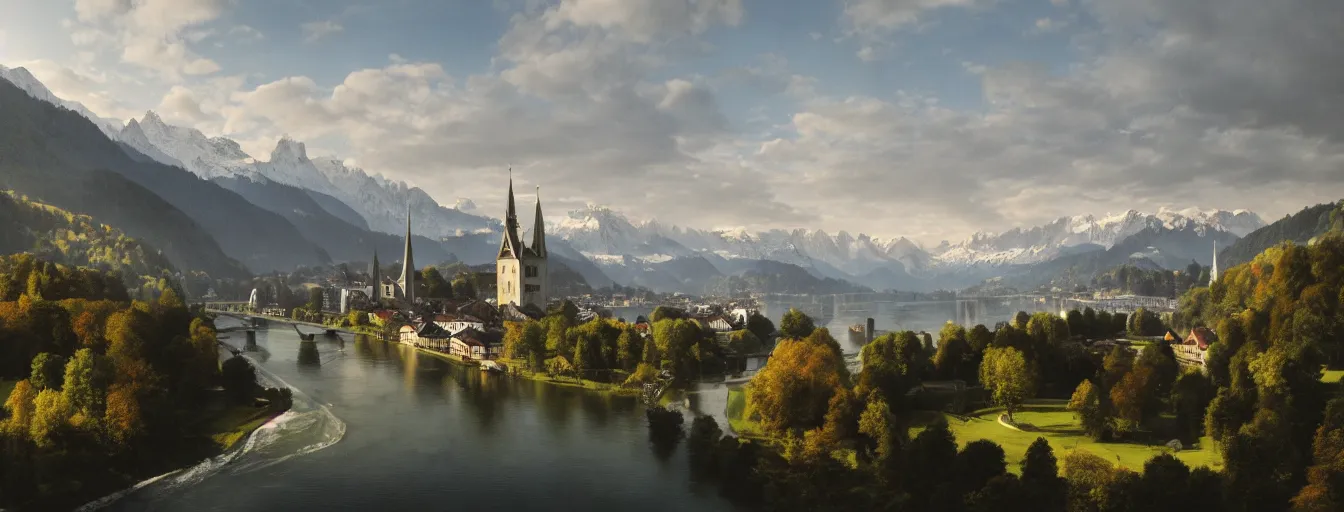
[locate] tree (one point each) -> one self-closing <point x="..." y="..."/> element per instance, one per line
<point x="892" y="363"/>
<point x="1190" y="397"/>
<point x="239" y="379"/>
<point x="87" y="377"/>
<point x="566" y="309"/>
<point x="1145" y="323"/>
<point x="795" y="325"/>
<point x="1164" y="485"/>
<point x="842" y="416"/>
<point x="19" y="405"/>
<point x="702" y="444"/>
<point x="51" y="416"/>
<point x="1040" y="477"/>
<point x="1005" y="374"/>
<point x="48" y="371"/>
<point x="930" y="461"/>
<point x="1020" y="320"/>
<point x="675" y="340"/>
<point x="123" y="416"/>
<point x="1075" y="320"/>
<point x="744" y="342"/>
<point x="1325" y="478"/>
<point x="629" y="348"/>
<point x="878" y="427"/>
<point x="435" y="286"/>
<point x="463" y="287"/>
<point x="977" y="463"/>
<point x="665" y="313"/>
<point x="980" y="338"/>
<point x="761" y="326"/>
<point x="795" y="387"/>
<point x="953" y="352"/>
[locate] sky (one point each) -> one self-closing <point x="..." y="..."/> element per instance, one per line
<point x="930" y="119"/>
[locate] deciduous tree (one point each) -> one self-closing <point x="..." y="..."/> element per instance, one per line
<point x="795" y="387"/>
<point x="1005" y="374"/>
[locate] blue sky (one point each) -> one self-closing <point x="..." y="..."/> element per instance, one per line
<point x="922" y="118"/>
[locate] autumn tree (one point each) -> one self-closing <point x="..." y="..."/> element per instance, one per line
<point x="1004" y="372"/>
<point x="794" y="388"/>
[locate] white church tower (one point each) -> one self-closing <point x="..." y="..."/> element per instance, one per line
<point x="1213" y="272"/>
<point x="521" y="275"/>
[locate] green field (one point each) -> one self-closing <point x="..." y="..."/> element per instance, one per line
<point x="736" y="413"/>
<point x="1332" y="376"/>
<point x="234" y="423"/>
<point x="1061" y="430"/>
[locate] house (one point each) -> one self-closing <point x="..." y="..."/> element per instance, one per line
<point x="720" y="323"/>
<point x="456" y="323"/>
<point x="479" y="309"/>
<point x="513" y="313"/>
<point x="477" y="344"/>
<point x="426" y="335"/>
<point x="1190" y="353"/>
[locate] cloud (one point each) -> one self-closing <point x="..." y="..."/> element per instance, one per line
<point x="150" y="33"/>
<point x="1046" y="25"/>
<point x="315" y="30"/>
<point x="871" y="17"/>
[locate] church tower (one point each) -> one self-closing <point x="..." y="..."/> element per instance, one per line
<point x="376" y="278"/>
<point x="521" y="275"/>
<point x="407" y="281"/>
<point x="1213" y="272"/>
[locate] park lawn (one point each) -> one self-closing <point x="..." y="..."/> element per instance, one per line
<point x="1060" y="428"/>
<point x="1330" y="376"/>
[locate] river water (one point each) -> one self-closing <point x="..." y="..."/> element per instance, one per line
<point x="379" y="426"/>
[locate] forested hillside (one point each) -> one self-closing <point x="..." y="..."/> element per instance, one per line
<point x="1297" y="228"/>
<point x="73" y="239"/>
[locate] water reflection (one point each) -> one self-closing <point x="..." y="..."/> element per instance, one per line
<point x="309" y="356"/>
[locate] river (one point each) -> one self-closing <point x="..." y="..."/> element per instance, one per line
<point x="380" y="426"/>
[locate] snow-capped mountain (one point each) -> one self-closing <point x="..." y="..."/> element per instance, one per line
<point x="30" y="84"/>
<point x="1066" y="234"/>
<point x="381" y="202"/>
<point x="206" y="157"/>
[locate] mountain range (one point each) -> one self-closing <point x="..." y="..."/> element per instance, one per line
<point x="291" y="210"/>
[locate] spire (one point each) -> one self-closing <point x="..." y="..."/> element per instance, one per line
<point x="1213" y="272"/>
<point x="375" y="275"/>
<point x="511" y="246"/>
<point x="407" y="280"/>
<point x="539" y="231"/>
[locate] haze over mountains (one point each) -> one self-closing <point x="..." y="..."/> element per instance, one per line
<point x="320" y="210"/>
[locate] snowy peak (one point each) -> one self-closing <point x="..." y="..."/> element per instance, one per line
<point x="1041" y="243"/>
<point x="289" y="150"/>
<point x="25" y="80"/>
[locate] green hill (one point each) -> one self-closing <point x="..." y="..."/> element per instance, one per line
<point x="1298" y="228"/>
<point x="56" y="235"/>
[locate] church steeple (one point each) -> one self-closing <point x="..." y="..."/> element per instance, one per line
<point x="407" y="280"/>
<point x="511" y="246"/>
<point x="539" y="231"/>
<point x="376" y="275"/>
<point x="1213" y="272"/>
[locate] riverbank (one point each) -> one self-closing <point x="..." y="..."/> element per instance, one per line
<point x="515" y="368"/>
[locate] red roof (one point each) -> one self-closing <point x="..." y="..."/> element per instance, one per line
<point x="384" y="314"/>
<point x="1201" y="336"/>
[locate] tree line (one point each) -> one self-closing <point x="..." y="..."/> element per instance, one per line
<point x="105" y="385"/>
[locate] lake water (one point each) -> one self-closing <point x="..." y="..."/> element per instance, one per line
<point x="379" y="426"/>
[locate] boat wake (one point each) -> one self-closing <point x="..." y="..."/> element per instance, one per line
<point x="308" y="426"/>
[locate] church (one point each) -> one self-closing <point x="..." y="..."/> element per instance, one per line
<point x="520" y="271"/>
<point x="403" y="289"/>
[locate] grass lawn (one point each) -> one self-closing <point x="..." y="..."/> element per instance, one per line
<point x="234" y="423"/>
<point x="736" y="413"/>
<point x="1331" y="376"/>
<point x="1059" y="427"/>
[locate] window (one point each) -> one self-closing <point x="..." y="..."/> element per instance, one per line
<point x="532" y="288"/>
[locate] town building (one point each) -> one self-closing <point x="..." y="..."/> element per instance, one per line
<point x="477" y="344"/>
<point x="1190" y="352"/>
<point x="521" y="273"/>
